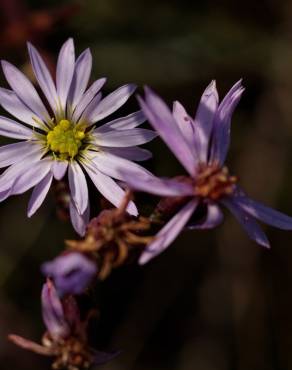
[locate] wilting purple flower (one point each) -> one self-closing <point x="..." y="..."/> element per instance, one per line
<point x="64" y="136"/>
<point x="66" y="336"/>
<point x="71" y="272"/>
<point x="201" y="145"/>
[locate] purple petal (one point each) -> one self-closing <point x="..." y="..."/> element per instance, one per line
<point x="13" y="153"/>
<point x="78" y="187"/>
<point x="247" y="222"/>
<point x="24" y="89"/>
<point x="59" y="169"/>
<point x="222" y="122"/>
<point x="111" y="103"/>
<point x="85" y="118"/>
<point x="213" y="218"/>
<point x="80" y="79"/>
<point x="87" y="98"/>
<point x="164" y="123"/>
<point x="53" y="314"/>
<point x="204" y="119"/>
<point x="31" y="177"/>
<point x="124" y="123"/>
<point x="13" y="105"/>
<point x="14" y="130"/>
<point x="185" y="124"/>
<point x="79" y="221"/>
<point x="264" y="213"/>
<point x="114" y="166"/>
<point x="43" y="77"/>
<point x="131" y="153"/>
<point x="108" y="188"/>
<point x="124" y="138"/>
<point x="65" y="71"/>
<point x="157" y="186"/>
<point x="169" y="232"/>
<point x="71" y="272"/>
<point x="39" y="194"/>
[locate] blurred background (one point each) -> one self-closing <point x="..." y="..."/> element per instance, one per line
<point x="214" y="300"/>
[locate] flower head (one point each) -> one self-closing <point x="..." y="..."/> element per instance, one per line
<point x="66" y="336"/>
<point x="201" y="144"/>
<point x="64" y="136"/>
<point x="71" y="272"/>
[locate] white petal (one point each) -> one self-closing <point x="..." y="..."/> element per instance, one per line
<point x="78" y="187"/>
<point x="79" y="222"/>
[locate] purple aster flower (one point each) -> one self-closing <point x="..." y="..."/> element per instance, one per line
<point x="64" y="136"/>
<point x="201" y="145"/>
<point x="66" y="337"/>
<point x="71" y="272"/>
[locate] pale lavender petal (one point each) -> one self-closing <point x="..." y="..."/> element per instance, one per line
<point x="9" y="176"/>
<point x="114" y="166"/>
<point x="164" y="123"/>
<point x="247" y="222"/>
<point x="59" y="169"/>
<point x="109" y="188"/>
<point x="71" y="272"/>
<point x="14" y="130"/>
<point x="157" y="186"/>
<point x="78" y="187"/>
<point x="53" y="314"/>
<point x="31" y="177"/>
<point x="39" y="194"/>
<point x="214" y="217"/>
<point x="65" y="71"/>
<point x="264" y="213"/>
<point x="169" y="232"/>
<point x="87" y="98"/>
<point x="24" y="89"/>
<point x="185" y="124"/>
<point x="131" y="153"/>
<point x="13" y="105"/>
<point x="222" y="122"/>
<point x="43" y="77"/>
<point x="6" y="193"/>
<point x="79" y="221"/>
<point x="204" y="120"/>
<point x="124" y="123"/>
<point x="124" y="138"/>
<point x="13" y="153"/>
<point x="85" y="118"/>
<point x="80" y="79"/>
<point x="111" y="103"/>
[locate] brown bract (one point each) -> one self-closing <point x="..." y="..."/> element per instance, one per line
<point x="112" y="236"/>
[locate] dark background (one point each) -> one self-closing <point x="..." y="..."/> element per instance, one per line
<point x="214" y="300"/>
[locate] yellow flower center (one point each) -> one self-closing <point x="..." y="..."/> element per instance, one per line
<point x="65" y="139"/>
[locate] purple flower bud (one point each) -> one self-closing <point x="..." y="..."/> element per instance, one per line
<point x="71" y="272"/>
<point x="53" y="314"/>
